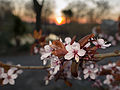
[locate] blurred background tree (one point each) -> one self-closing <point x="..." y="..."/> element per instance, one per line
<point x="68" y="14"/>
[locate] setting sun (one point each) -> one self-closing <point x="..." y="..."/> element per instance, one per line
<point x="60" y="20"/>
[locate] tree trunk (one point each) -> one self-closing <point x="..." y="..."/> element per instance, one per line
<point x="38" y="11"/>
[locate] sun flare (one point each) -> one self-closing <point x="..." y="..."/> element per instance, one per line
<point x="59" y="20"/>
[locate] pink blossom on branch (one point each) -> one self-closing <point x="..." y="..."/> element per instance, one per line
<point x="74" y="51"/>
<point x="90" y="71"/>
<point x="101" y="43"/>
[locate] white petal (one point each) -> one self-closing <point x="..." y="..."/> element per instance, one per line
<point x="76" y="46"/>
<point x="69" y="56"/>
<point x="47" y="48"/>
<point x="107" y="45"/>
<point x="61" y="40"/>
<point x="110" y="65"/>
<point x="4" y="75"/>
<point x="69" y="48"/>
<point x="14" y="69"/>
<point x="35" y="50"/>
<point x="91" y="66"/>
<point x="56" y="69"/>
<point x="105" y="66"/>
<point x="46" y="82"/>
<point x="67" y="40"/>
<point x="95" y="70"/>
<point x="14" y="76"/>
<point x="103" y="47"/>
<point x="101" y="41"/>
<point x="19" y="72"/>
<point x="78" y="78"/>
<point x="11" y="81"/>
<point x="10" y="71"/>
<point x="50" y="43"/>
<point x="106" y="82"/>
<point x="86" y="75"/>
<point x="45" y="55"/>
<point x="5" y="81"/>
<point x="81" y="52"/>
<point x="44" y="62"/>
<point x="95" y="43"/>
<point x="92" y="76"/>
<point x="87" y="45"/>
<point x="85" y="71"/>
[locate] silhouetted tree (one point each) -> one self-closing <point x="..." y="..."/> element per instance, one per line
<point x="38" y="10"/>
<point x="78" y="9"/>
<point x="68" y="14"/>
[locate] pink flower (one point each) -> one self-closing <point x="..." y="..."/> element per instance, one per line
<point x="101" y="43"/>
<point x="36" y="50"/>
<point x="90" y="71"/>
<point x="74" y="51"/>
<point x="108" y="80"/>
<point x="55" y="65"/>
<point x="46" y="53"/>
<point x="109" y="66"/>
<point x="9" y="76"/>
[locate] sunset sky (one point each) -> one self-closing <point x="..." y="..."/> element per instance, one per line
<point x="61" y="4"/>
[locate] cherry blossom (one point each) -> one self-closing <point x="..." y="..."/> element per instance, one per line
<point x="101" y="43"/>
<point x="9" y="76"/>
<point x="55" y="65"/>
<point x="36" y="50"/>
<point x="109" y="66"/>
<point x="108" y="80"/>
<point x="47" y="52"/>
<point x="74" y="51"/>
<point x="90" y="71"/>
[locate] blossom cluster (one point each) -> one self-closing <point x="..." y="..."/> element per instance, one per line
<point x="8" y="75"/>
<point x="71" y="59"/>
<point x="111" y="71"/>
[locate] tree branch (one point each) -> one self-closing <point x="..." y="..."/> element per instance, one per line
<point x="24" y="67"/>
<point x="97" y="56"/>
<point x="106" y="55"/>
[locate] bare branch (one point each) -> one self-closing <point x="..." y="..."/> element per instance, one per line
<point x="24" y="67"/>
<point x="106" y="55"/>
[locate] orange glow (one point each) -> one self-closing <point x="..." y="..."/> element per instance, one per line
<point x="60" y="20"/>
